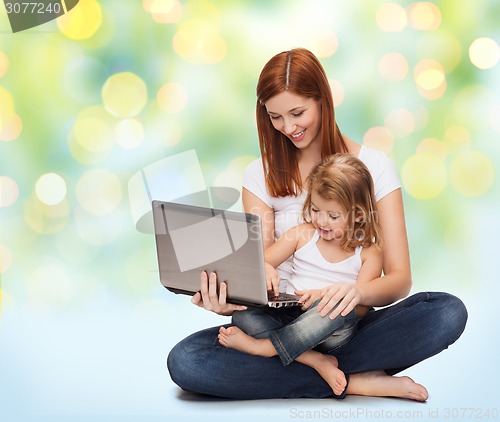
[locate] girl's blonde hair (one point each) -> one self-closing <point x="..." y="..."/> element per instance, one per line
<point x="297" y="71"/>
<point x="345" y="179"/>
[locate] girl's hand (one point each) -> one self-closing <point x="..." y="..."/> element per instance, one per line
<point x="347" y="296"/>
<point x="308" y="297"/>
<point x="208" y="298"/>
<point x="272" y="279"/>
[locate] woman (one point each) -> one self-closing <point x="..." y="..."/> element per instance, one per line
<point x="297" y="129"/>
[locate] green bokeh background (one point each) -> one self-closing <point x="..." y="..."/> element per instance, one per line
<point x="81" y="301"/>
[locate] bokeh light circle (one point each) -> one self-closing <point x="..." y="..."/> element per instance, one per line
<point x="424" y="16"/>
<point x="380" y="138"/>
<point x="172" y="97"/>
<point x="457" y="139"/>
<point x="324" y="43"/>
<point x="433" y="146"/>
<point x="430" y="79"/>
<point x="6" y="101"/>
<point x="199" y="40"/>
<point x="81" y="22"/>
<point x="92" y="136"/>
<point x="50" y="189"/>
<point x="472" y="173"/>
<point x="484" y="53"/>
<point x="391" y="17"/>
<point x="424" y="175"/>
<point x="4" y="64"/>
<point x="43" y="218"/>
<point x="338" y="92"/>
<point x="129" y="133"/>
<point x="124" y="94"/>
<point x="11" y="126"/>
<point x="99" y="191"/>
<point x="9" y="191"/>
<point x="393" y="66"/>
<point x="400" y="122"/>
<point x="163" y="11"/>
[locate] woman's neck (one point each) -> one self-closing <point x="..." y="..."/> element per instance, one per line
<point x="308" y="159"/>
<point x="311" y="156"/>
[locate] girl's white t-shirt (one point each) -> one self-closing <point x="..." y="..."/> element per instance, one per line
<point x="288" y="209"/>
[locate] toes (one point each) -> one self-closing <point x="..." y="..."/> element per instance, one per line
<point x="232" y="330"/>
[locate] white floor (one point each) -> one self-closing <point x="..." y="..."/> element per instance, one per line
<point x="107" y="362"/>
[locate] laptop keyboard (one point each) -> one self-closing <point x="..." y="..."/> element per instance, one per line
<point x="283" y="300"/>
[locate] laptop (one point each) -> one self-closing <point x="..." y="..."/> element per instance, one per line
<point x="191" y="239"/>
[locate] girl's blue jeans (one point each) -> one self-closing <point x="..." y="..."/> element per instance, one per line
<point x="293" y="331"/>
<point x="390" y="339"/>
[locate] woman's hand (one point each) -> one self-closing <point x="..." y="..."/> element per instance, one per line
<point x="208" y="298"/>
<point x="272" y="279"/>
<point x="347" y="296"/>
<point x="308" y="297"/>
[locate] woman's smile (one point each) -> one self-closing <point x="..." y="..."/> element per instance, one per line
<point x="299" y="136"/>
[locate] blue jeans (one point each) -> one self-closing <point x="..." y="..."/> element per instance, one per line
<point x="292" y="331"/>
<point x="390" y="339"/>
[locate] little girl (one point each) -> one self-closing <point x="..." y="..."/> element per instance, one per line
<point x="340" y="242"/>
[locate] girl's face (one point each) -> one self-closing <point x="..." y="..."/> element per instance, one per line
<point x="297" y="117"/>
<point x="328" y="217"/>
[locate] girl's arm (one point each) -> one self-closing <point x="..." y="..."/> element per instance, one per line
<point x="282" y="249"/>
<point x="285" y="246"/>
<point x="396" y="281"/>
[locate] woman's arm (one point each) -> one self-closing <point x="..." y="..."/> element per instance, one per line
<point x="252" y="204"/>
<point x="396" y="281"/>
<point x="371" y="264"/>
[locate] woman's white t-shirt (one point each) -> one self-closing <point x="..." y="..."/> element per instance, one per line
<point x="288" y="209"/>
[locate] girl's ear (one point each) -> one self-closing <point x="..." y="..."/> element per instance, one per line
<point x="307" y="215"/>
<point x="360" y="215"/>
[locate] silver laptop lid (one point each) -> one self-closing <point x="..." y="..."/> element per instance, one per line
<point x="191" y="239"/>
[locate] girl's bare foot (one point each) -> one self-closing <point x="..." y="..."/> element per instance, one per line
<point x="234" y="338"/>
<point x="330" y="372"/>
<point x="379" y="384"/>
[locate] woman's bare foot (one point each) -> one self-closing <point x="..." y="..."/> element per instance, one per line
<point x="379" y="384"/>
<point x="330" y="372"/>
<point x="234" y="338"/>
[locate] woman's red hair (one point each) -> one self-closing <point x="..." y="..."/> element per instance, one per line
<point x="300" y="72"/>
